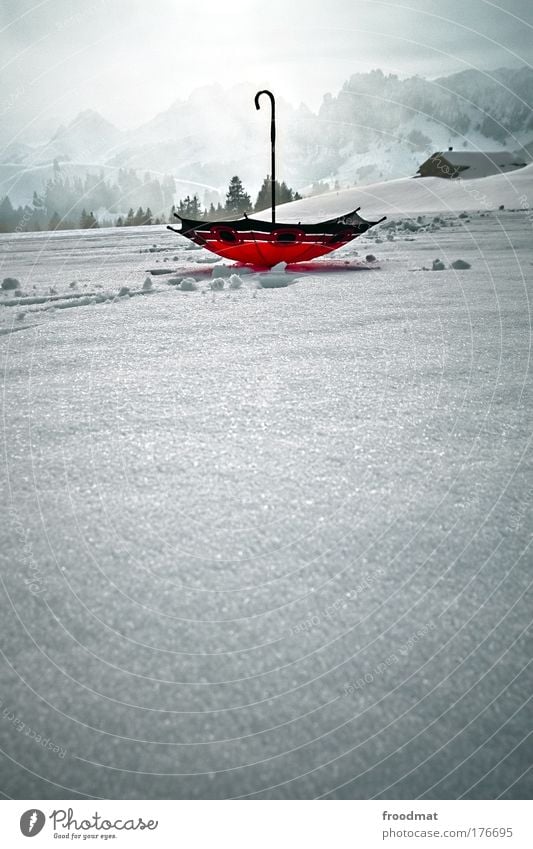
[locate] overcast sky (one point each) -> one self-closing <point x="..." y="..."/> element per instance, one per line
<point x="129" y="59"/>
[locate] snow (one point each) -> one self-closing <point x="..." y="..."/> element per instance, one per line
<point x="235" y="282"/>
<point x="412" y="195"/>
<point x="391" y="157"/>
<point x="270" y="542"/>
<point x="483" y="163"/>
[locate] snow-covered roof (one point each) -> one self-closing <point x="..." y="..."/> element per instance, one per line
<point x="481" y="163"/>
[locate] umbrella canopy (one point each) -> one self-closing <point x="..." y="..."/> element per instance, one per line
<point x="265" y="243"/>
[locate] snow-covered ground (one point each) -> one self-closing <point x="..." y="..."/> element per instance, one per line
<point x="412" y="195"/>
<point x="269" y="542"/>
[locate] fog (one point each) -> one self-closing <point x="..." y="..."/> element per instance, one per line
<point x="129" y="60"/>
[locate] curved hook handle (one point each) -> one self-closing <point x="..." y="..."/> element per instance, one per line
<point x="273" y="111"/>
<point x="272" y="143"/>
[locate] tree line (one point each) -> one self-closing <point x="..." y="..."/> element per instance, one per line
<point x="238" y="201"/>
<point x="69" y="203"/>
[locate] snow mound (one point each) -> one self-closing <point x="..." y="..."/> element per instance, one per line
<point x="221" y="270"/>
<point x="273" y="280"/>
<point x="9" y="283"/>
<point x="235" y="282"/>
<point x="413" y="195"/>
<point x="188" y="284"/>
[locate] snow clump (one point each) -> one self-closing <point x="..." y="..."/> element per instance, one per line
<point x="188" y="284"/>
<point x="10" y="283"/>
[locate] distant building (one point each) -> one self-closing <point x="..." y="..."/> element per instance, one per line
<point x="468" y="164"/>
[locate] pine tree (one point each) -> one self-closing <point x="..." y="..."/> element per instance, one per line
<point x="54" y="222"/>
<point x="38" y="217"/>
<point x="264" y="198"/>
<point x="129" y="218"/>
<point x="38" y="202"/>
<point x="25" y="218"/>
<point x="237" y="200"/>
<point x="139" y="217"/>
<point x="148" y="216"/>
<point x="190" y="207"/>
<point x="196" y="208"/>
<point x="87" y="220"/>
<point x="283" y="194"/>
<point x="8" y="216"/>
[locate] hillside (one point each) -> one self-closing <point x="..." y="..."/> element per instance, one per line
<point x="410" y="196"/>
<point x="377" y="127"/>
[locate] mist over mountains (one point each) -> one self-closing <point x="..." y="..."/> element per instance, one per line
<point x="378" y="126"/>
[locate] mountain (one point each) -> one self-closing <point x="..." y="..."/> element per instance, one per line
<point x="88" y="138"/>
<point x="381" y="126"/>
<point x="499" y="105"/>
<point x="376" y="127"/>
<point x="212" y="135"/>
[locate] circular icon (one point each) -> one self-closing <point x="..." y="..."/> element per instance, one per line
<point x="32" y="822"/>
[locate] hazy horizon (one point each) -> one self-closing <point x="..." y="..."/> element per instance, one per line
<point x="247" y="84"/>
<point x="113" y="58"/>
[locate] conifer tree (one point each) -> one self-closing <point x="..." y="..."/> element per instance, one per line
<point x="54" y="222"/>
<point x="139" y="217"/>
<point x="8" y="216"/>
<point x="237" y="200"/>
<point x="283" y="194"/>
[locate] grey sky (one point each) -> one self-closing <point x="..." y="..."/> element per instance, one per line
<point x="130" y="59"/>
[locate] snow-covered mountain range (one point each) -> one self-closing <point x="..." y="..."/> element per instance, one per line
<point x="377" y="127"/>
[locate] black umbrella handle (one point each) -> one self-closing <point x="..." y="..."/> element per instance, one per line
<point x="272" y="145"/>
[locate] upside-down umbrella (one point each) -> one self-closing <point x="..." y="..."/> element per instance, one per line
<point x="265" y="243"/>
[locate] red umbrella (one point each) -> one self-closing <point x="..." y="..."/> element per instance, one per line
<point x="265" y="243"/>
